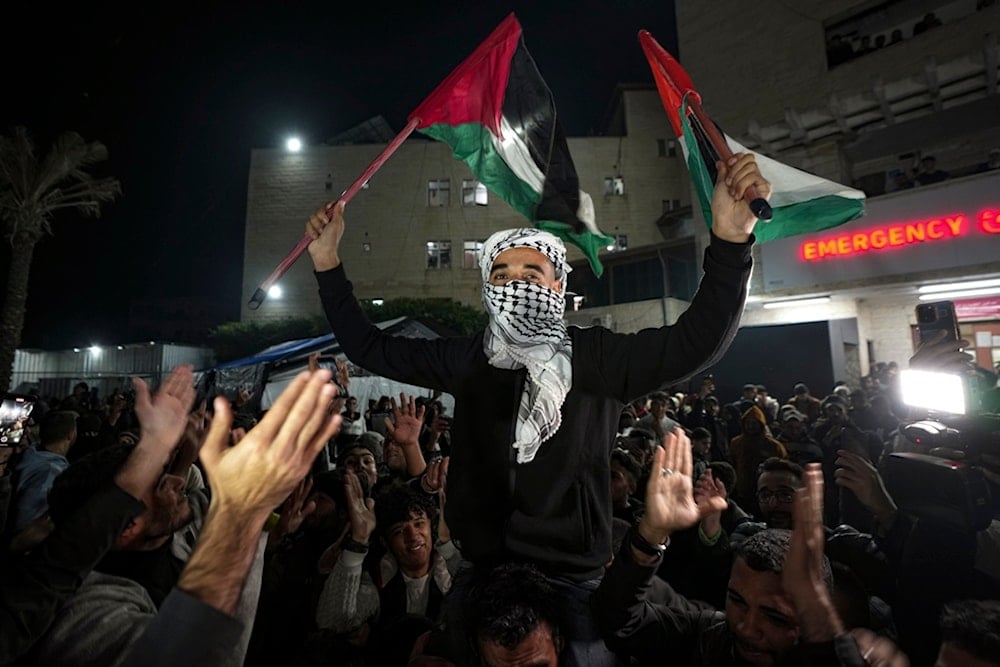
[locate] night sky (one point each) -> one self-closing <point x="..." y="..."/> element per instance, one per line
<point x="181" y="95"/>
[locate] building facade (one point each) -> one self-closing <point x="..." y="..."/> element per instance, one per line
<point x="416" y="228"/>
<point x="782" y="83"/>
<point x="862" y="93"/>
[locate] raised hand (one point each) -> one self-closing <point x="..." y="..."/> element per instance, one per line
<point x="343" y="376"/>
<point x="407" y="421"/>
<point x="710" y="497"/>
<point x="803" y="577"/>
<point x="670" y="503"/>
<point x="295" y="509"/>
<point x="732" y="219"/>
<point x="435" y="478"/>
<point x="360" y="510"/>
<point x="942" y="355"/>
<point x="326" y="228"/>
<point x="260" y="471"/>
<point x="856" y="473"/>
<point x="163" y="415"/>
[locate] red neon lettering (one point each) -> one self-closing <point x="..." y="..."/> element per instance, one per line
<point x="989" y="221"/>
<point x="897" y="234"/>
<point x="915" y="232"/>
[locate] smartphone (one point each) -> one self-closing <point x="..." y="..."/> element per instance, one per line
<point x="14" y="412"/>
<point x="934" y="317"/>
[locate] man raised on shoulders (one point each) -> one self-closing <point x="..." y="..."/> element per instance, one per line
<point x="537" y="403"/>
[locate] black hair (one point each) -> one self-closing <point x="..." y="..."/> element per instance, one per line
<point x="510" y="602"/>
<point x="398" y="502"/>
<point x="700" y="433"/>
<point x="57" y="425"/>
<point x="766" y="552"/>
<point x="628" y="463"/>
<point x="973" y="626"/>
<point x="775" y="464"/>
<point x="725" y="472"/>
<point x="84" y="478"/>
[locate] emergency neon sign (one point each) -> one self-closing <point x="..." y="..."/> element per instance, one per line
<point x="899" y="235"/>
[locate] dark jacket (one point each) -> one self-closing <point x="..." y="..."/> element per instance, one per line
<point x="556" y="510"/>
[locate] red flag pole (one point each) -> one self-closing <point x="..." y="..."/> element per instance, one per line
<point x="757" y="204"/>
<point x="261" y="292"/>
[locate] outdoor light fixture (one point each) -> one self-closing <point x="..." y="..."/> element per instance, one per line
<point x="960" y="294"/>
<point x="794" y="303"/>
<point x="95" y="350"/>
<point x="274" y="292"/>
<point x="121" y="347"/>
<point x="294" y="145"/>
<point x="76" y="349"/>
<point x="366" y="245"/>
<point x="980" y="287"/>
<point x="377" y="302"/>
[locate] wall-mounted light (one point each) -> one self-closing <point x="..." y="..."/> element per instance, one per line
<point x="274" y="292"/>
<point x="960" y="289"/>
<point x="293" y="145"/>
<point x="366" y="245"/>
<point x="378" y="302"/>
<point x="795" y="303"/>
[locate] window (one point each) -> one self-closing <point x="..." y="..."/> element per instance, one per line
<point x="437" y="192"/>
<point x="666" y="148"/>
<point x="439" y="254"/>
<point x="614" y="185"/>
<point x="474" y="193"/>
<point x="471" y="251"/>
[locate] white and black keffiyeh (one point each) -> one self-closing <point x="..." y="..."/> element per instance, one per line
<point x="527" y="330"/>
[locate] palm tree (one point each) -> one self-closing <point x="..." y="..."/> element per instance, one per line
<point x="32" y="191"/>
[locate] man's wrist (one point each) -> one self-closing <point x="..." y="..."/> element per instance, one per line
<point x="326" y="263"/>
<point x="652" y="535"/>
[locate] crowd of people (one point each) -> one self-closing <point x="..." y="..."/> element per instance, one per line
<point x="575" y="509"/>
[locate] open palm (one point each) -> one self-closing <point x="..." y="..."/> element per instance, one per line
<point x="670" y="502"/>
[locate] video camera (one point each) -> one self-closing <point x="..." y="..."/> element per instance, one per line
<point x="943" y="475"/>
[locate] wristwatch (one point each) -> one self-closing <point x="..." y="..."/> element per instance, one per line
<point x="643" y="545"/>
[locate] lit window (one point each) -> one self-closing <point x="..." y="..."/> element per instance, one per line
<point x="439" y="254"/>
<point x="471" y="251"/>
<point x="474" y="193"/>
<point x="437" y="192"/>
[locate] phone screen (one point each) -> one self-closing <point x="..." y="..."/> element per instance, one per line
<point x="14" y="413"/>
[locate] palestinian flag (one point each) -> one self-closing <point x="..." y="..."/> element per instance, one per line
<point x="498" y="116"/>
<point x="801" y="202"/>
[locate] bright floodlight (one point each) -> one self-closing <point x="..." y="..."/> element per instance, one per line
<point x="274" y="291"/>
<point x="95" y="350"/>
<point x="294" y="145"/>
<point x="941" y="392"/>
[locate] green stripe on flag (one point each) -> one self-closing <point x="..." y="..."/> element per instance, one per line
<point x="809" y="216"/>
<point x="472" y="143"/>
